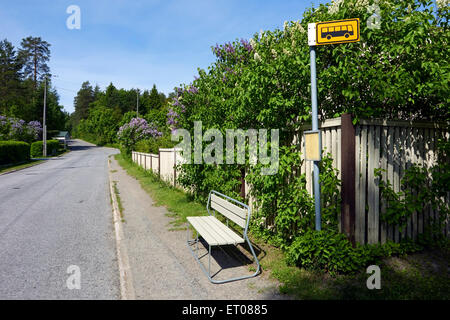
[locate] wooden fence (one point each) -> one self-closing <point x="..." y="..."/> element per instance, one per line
<point x="162" y="164"/>
<point x="390" y="145"/>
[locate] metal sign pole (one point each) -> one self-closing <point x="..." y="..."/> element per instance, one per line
<point x="315" y="126"/>
<point x="323" y="33"/>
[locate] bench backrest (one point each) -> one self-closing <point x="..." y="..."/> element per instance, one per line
<point x="232" y="209"/>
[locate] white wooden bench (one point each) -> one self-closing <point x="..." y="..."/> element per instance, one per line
<point x="216" y="233"/>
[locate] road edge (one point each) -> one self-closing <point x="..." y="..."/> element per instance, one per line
<point x="125" y="277"/>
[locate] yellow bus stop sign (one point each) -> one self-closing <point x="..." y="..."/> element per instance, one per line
<point x="330" y="32"/>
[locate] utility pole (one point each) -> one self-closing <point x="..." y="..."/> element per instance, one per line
<point x="137" y="102"/>
<point x="44" y="126"/>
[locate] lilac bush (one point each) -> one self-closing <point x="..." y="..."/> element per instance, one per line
<point x="172" y="118"/>
<point x="18" y="129"/>
<point x="137" y="129"/>
<point x="34" y="129"/>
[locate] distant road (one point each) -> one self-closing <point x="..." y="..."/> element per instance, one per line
<point x="55" y="215"/>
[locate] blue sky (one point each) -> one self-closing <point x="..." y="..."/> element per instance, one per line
<point x="138" y="43"/>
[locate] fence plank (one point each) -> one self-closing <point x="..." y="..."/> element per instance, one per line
<point x="390" y="172"/>
<point x="338" y="151"/>
<point x="408" y="160"/>
<point x="333" y="147"/>
<point x="363" y="160"/>
<point x="421" y="162"/>
<point x="326" y="137"/>
<point x="400" y="137"/>
<point x="414" y="160"/>
<point x="384" y="150"/>
<point x="371" y="232"/>
<point x="359" y="232"/>
<point x="433" y="159"/>
<point x="426" y="215"/>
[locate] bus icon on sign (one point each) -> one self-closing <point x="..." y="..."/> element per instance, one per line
<point x="330" y="32"/>
<point x="338" y="31"/>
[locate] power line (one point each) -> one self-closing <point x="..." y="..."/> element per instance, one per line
<point x="65" y="89"/>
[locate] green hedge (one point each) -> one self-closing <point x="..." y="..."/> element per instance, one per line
<point x="36" y="148"/>
<point x="14" y="152"/>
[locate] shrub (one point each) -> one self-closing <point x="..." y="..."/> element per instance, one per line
<point x="325" y="250"/>
<point x="19" y="130"/>
<point x="152" y="145"/>
<point x="137" y="129"/>
<point x="14" y="152"/>
<point x="36" y="148"/>
<point x="330" y="251"/>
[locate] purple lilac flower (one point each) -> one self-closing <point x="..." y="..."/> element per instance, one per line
<point x="229" y="48"/>
<point x="17" y="125"/>
<point x="246" y="45"/>
<point x="138" y="129"/>
<point x="219" y="52"/>
<point x="34" y="128"/>
<point x="179" y="91"/>
<point x="193" y="90"/>
<point x="3" y="120"/>
<point x="176" y="102"/>
<point x="172" y="117"/>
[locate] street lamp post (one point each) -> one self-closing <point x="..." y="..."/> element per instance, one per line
<point x="137" y="102"/>
<point x="44" y="126"/>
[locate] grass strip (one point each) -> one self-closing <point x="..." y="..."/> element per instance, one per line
<point x="119" y="201"/>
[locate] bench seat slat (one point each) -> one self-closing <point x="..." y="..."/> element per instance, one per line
<point x="226" y="232"/>
<point x="199" y="225"/>
<point x="214" y="231"/>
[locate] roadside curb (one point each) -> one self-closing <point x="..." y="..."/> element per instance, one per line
<point x="126" y="280"/>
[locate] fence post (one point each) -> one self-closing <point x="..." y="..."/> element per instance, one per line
<point x="174" y="167"/>
<point x="159" y="163"/>
<point x="348" y="177"/>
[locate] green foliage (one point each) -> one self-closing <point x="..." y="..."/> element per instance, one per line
<point x="14" y="152"/>
<point x="285" y="208"/>
<point x="37" y="147"/>
<point x="330" y="251"/>
<point x="152" y="145"/>
<point x="99" y="114"/>
<point x="85" y="96"/>
<point x="101" y="126"/>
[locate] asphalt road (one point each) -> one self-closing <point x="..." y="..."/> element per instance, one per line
<point x="53" y="216"/>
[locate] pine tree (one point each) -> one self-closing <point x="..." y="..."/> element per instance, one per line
<point x="154" y="99"/>
<point x="10" y="75"/>
<point x="35" y="54"/>
<point x="84" y="97"/>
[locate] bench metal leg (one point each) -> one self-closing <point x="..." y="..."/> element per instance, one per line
<point x="208" y="272"/>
